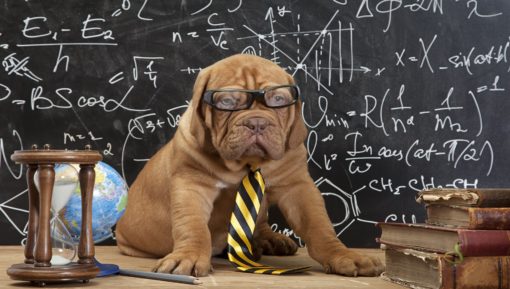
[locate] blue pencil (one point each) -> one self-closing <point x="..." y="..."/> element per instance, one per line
<point x="161" y="276"/>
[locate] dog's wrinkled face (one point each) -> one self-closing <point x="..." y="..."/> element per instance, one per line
<point x="260" y="132"/>
<point x="257" y="132"/>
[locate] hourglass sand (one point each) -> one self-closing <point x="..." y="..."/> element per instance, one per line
<point x="38" y="266"/>
<point x="63" y="248"/>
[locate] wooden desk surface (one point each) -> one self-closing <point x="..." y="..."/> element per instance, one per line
<point x="224" y="275"/>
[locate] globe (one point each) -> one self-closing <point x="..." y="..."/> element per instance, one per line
<point x="108" y="203"/>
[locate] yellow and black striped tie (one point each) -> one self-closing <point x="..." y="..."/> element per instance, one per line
<point x="242" y="226"/>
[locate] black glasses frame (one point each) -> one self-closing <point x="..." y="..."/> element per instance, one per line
<point x="258" y="95"/>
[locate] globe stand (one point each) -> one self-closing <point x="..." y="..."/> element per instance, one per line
<point x="37" y="267"/>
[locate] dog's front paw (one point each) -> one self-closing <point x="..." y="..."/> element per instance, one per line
<point x="271" y="243"/>
<point x="350" y="263"/>
<point x="184" y="263"/>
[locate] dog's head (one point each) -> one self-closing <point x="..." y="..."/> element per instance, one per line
<point x="246" y="108"/>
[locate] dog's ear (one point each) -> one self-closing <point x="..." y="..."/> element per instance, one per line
<point x="198" y="127"/>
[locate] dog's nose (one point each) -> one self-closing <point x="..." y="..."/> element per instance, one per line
<point x="256" y="124"/>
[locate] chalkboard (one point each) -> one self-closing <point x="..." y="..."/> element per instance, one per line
<point x="398" y="95"/>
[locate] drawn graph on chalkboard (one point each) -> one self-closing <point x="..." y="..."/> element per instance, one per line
<point x="326" y="54"/>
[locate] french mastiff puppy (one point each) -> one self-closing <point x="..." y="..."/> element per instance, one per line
<point x="245" y="112"/>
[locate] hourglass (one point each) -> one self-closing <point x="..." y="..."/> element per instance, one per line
<point x="49" y="259"/>
<point x="63" y="249"/>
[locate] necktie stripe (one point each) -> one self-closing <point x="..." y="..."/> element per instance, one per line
<point x="234" y="257"/>
<point x="260" y="271"/>
<point x="254" y="197"/>
<point x="236" y="260"/>
<point x="271" y="270"/>
<point x="246" y="217"/>
<point x="241" y="192"/>
<point x="242" y="225"/>
<point x="238" y="250"/>
<point x="257" y="187"/>
<point x="248" y="268"/>
<point x="233" y="260"/>
<point x="243" y="229"/>
<point x="258" y="182"/>
<point x="237" y="232"/>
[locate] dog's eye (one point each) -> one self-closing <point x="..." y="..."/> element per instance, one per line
<point x="280" y="96"/>
<point x="227" y="102"/>
<point x="278" y="100"/>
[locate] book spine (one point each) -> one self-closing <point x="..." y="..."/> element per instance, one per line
<point x="489" y="218"/>
<point x="493" y="198"/>
<point x="476" y="273"/>
<point x="484" y="243"/>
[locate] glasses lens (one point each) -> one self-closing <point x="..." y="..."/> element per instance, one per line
<point x="280" y="96"/>
<point x="230" y="100"/>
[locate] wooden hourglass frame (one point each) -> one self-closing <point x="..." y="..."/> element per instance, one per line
<point x="37" y="267"/>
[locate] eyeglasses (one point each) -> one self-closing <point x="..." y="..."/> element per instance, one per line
<point x="239" y="99"/>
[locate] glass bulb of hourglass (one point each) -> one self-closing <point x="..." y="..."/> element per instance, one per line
<point x="66" y="181"/>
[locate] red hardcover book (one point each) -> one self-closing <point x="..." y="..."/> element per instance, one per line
<point x="439" y="239"/>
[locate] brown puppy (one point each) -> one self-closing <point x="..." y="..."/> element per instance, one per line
<point x="180" y="204"/>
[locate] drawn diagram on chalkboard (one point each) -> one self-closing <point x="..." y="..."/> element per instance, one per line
<point x="12" y="213"/>
<point x="335" y="40"/>
<point x="328" y="42"/>
<point x="346" y="206"/>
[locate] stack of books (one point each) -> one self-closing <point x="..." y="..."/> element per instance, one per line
<point x="465" y="242"/>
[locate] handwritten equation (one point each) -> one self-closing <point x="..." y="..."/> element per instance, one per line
<point x="399" y="96"/>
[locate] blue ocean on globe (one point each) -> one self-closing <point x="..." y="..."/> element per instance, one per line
<point x="108" y="204"/>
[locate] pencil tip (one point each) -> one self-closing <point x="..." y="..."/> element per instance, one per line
<point x="197" y="282"/>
